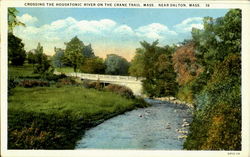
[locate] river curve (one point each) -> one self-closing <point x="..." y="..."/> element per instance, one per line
<point x="161" y="126"/>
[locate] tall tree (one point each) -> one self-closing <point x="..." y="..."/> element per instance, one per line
<point x="88" y="51"/>
<point x="43" y="65"/>
<point x="159" y="71"/>
<point x="12" y="19"/>
<point x="73" y="53"/>
<point x="16" y="52"/>
<point x="136" y="67"/>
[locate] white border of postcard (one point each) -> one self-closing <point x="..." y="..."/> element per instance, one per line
<point x="244" y="5"/>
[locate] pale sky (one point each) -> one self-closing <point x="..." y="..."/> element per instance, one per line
<point x="109" y="30"/>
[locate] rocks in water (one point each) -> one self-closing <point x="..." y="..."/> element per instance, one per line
<point x="168" y="126"/>
<point x="173" y="100"/>
<point x="185" y="124"/>
<point x="182" y="136"/>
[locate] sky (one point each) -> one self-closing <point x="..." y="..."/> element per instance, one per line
<point x="108" y="30"/>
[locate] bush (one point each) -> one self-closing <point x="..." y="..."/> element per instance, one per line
<point x="93" y="84"/>
<point x="33" y="83"/>
<point x="121" y="90"/>
<point x="67" y="81"/>
<point x="11" y="84"/>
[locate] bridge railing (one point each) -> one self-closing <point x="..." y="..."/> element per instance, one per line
<point x="105" y="77"/>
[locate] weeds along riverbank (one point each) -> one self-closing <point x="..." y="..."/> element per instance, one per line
<point x="53" y="114"/>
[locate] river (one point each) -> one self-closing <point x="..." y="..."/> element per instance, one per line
<point x="161" y="126"/>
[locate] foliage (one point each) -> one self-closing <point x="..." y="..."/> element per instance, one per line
<point x="31" y="57"/>
<point x="67" y="81"/>
<point x="57" y="59"/>
<point x="116" y="65"/>
<point x="88" y="51"/>
<point x="16" y="52"/>
<point x="121" y="90"/>
<point x="93" y="65"/>
<point x="12" y="19"/>
<point x="11" y="84"/>
<point x="158" y="69"/>
<point x="33" y="83"/>
<point x="185" y="65"/>
<point x="217" y="118"/>
<point x="73" y="53"/>
<point x="43" y="66"/>
<point x="136" y="67"/>
<point x="93" y="84"/>
<point x="220" y="37"/>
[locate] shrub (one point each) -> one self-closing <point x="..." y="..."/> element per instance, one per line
<point x="11" y="84"/>
<point x="67" y="81"/>
<point x="93" y="84"/>
<point x="121" y="90"/>
<point x="33" y="83"/>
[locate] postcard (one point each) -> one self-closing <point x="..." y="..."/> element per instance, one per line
<point x="125" y="78"/>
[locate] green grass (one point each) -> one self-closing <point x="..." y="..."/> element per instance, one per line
<point x="21" y="71"/>
<point x="55" y="118"/>
<point x="78" y="100"/>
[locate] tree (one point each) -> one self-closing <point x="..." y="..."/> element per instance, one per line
<point x="43" y="65"/>
<point x="185" y="65"/>
<point x="158" y="69"/>
<point x="136" y="67"/>
<point x="12" y="19"/>
<point x="88" y="51"/>
<point x="217" y="116"/>
<point x="57" y="58"/>
<point x="220" y="37"/>
<point x="116" y="65"/>
<point x="31" y="57"/>
<point x="93" y="65"/>
<point x="16" y="52"/>
<point x="73" y="53"/>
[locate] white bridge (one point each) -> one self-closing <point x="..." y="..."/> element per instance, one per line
<point x="131" y="82"/>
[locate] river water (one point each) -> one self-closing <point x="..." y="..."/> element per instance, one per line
<point x="154" y="128"/>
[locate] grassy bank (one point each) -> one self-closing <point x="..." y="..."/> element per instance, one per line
<point x="25" y="71"/>
<point x="55" y="118"/>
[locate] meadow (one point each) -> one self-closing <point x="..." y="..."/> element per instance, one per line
<point x="56" y="116"/>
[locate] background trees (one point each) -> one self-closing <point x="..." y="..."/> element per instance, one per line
<point x="16" y="52"/>
<point x="88" y="51"/>
<point x="43" y="65"/>
<point x="73" y="53"/>
<point x="57" y="59"/>
<point x="93" y="65"/>
<point x="12" y="20"/>
<point x="116" y="65"/>
<point x="136" y="67"/>
<point x="155" y="64"/>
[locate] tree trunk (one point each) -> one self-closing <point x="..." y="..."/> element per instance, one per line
<point x="74" y="68"/>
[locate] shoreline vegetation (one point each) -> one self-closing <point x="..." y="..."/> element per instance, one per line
<point x="53" y="115"/>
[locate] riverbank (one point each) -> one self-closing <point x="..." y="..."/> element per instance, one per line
<point x="162" y="126"/>
<point x="174" y="100"/>
<point x="55" y="117"/>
